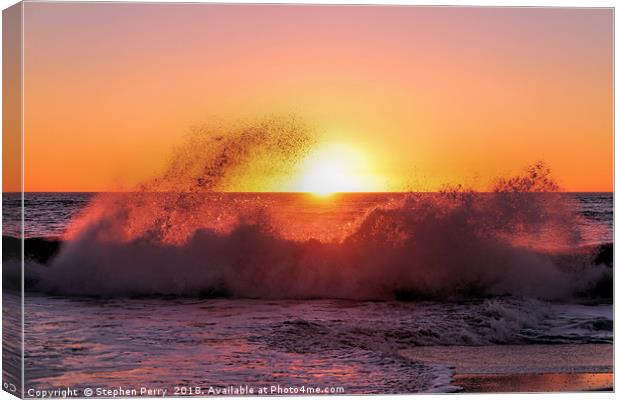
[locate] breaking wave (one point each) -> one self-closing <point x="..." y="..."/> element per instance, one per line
<point x="177" y="235"/>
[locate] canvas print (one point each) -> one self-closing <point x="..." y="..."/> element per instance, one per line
<point x="235" y="199"/>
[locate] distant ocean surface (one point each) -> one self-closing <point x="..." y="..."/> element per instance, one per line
<point x="116" y="340"/>
<point x="48" y="214"/>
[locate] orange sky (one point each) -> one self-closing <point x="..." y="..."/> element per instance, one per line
<point x="428" y="95"/>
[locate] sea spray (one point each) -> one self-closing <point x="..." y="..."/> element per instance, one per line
<point x="179" y="234"/>
<point x="213" y="158"/>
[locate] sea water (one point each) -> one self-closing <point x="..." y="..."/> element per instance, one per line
<point x="141" y="332"/>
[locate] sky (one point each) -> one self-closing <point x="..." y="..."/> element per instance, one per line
<point x="427" y="96"/>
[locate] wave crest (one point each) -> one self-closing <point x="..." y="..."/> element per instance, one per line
<point x="175" y="236"/>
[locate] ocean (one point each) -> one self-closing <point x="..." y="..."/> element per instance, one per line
<point x="49" y="214"/>
<point x="287" y="291"/>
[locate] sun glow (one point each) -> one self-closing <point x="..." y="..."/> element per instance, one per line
<point x="336" y="168"/>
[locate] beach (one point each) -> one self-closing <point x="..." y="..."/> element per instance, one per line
<point x="519" y="368"/>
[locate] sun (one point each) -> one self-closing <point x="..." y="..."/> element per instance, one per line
<point x="326" y="177"/>
<point x="335" y="168"/>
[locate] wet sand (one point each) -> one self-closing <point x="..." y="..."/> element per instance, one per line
<point x="524" y="368"/>
<point x="540" y="382"/>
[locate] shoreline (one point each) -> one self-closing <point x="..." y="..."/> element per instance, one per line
<point x="534" y="382"/>
<point x="523" y="368"/>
